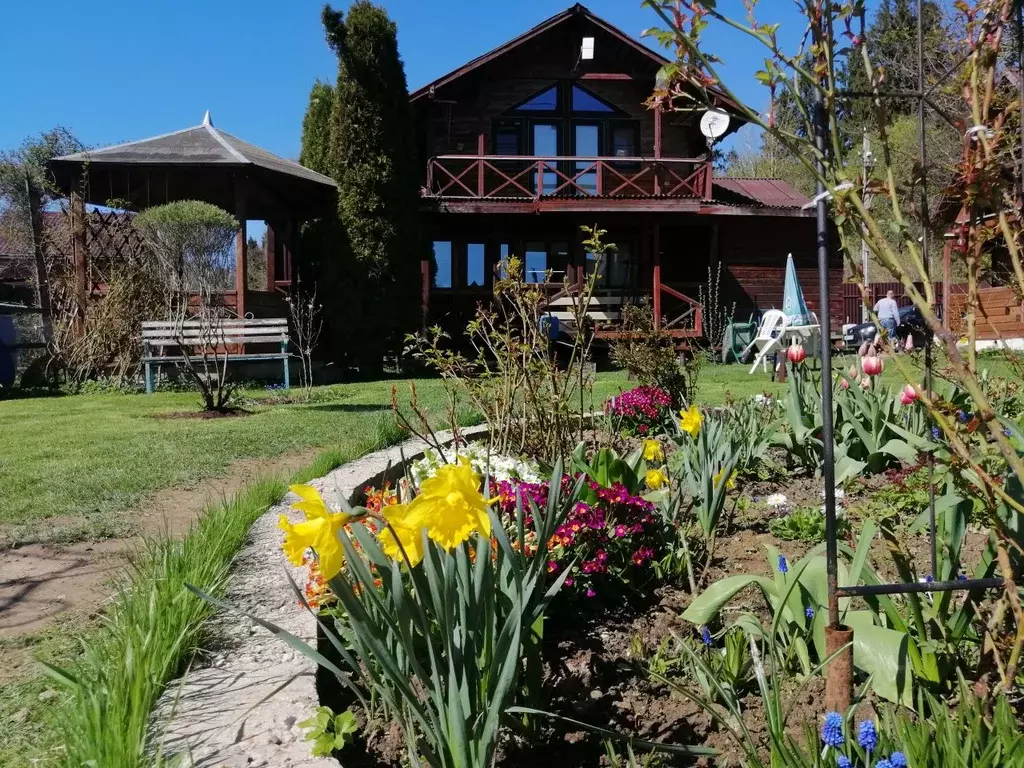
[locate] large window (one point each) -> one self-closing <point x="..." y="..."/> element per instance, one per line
<point x="442" y="264"/>
<point x="565" y="119"/>
<point x="615" y="270"/>
<point x="476" y="265"/>
<point x="536" y="263"/>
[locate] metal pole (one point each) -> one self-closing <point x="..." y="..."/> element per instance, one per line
<point x="828" y="465"/>
<point x="925" y="223"/>
<point x="866" y="164"/>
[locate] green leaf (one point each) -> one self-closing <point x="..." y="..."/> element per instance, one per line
<point x="707" y="605"/>
<point x="882" y="653"/>
<point x="900" y="450"/>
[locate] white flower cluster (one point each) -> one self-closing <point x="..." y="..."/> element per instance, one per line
<point x="777" y="501"/>
<point x="498" y="466"/>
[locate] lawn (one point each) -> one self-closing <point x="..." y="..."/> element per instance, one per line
<point x="80" y="466"/>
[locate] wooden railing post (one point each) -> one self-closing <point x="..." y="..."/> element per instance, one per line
<point x="656" y="257"/>
<point x="599" y="165"/>
<point x="709" y="179"/>
<point x="540" y="178"/>
<point x="430" y="175"/>
<point x="480" y="165"/>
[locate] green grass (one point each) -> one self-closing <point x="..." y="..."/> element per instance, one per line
<point x="79" y="466"/>
<point x="146" y="634"/>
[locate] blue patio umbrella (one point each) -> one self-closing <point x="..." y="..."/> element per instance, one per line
<point x="793" y="304"/>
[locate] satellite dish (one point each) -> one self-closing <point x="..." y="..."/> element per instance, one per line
<point x="714" y="124"/>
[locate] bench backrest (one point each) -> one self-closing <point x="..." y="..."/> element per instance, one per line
<point x="200" y="333"/>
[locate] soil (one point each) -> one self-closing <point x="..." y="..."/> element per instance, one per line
<point x="592" y="676"/>
<point x="228" y="414"/>
<point x="39" y="582"/>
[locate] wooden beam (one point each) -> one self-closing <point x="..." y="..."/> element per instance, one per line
<point x="480" y="149"/>
<point x="656" y="260"/>
<point x="606" y="76"/>
<point x="271" y="248"/>
<point x="425" y="291"/>
<point x="78" y="245"/>
<point x="947" y="252"/>
<point x="240" y="265"/>
<point x="294" y="240"/>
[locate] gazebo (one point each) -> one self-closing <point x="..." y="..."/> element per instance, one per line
<point x="208" y="164"/>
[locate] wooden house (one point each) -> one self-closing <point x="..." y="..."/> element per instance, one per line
<point x="548" y="132"/>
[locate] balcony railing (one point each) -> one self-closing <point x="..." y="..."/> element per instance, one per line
<point x="532" y="178"/>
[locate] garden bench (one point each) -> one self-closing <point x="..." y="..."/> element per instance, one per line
<point x="162" y="341"/>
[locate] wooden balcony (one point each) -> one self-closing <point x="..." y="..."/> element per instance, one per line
<point x="504" y="177"/>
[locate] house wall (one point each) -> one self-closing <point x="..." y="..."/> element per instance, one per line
<point x="753" y="253"/>
<point x="459" y="113"/>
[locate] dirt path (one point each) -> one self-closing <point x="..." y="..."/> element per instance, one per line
<point x="39" y="582"/>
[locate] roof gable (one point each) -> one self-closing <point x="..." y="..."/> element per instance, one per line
<point x="577" y="14"/>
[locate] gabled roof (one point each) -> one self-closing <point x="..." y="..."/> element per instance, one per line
<point x="576" y="11"/>
<point x="200" y="145"/>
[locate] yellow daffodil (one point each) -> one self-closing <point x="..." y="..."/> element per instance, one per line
<point x="730" y="484"/>
<point x="319" y="531"/>
<point x="691" y="420"/>
<point x="450" y="506"/>
<point x="655" y="478"/>
<point x="410" y="538"/>
<point x="653" y="452"/>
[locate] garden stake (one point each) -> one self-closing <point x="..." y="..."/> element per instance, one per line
<point x="839" y="678"/>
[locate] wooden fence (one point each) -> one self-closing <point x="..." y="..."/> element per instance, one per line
<point x="852" y="304"/>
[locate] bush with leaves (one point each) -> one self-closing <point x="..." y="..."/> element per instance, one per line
<point x="649" y="356"/>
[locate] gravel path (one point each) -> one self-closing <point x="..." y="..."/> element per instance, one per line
<point x="239" y="704"/>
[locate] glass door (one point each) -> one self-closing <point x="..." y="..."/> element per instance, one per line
<point x="545" y="142"/>
<point x="586" y="142"/>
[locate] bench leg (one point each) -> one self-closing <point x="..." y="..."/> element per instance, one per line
<point x="287" y="373"/>
<point x="149" y="379"/>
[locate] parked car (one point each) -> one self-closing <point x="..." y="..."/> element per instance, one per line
<point x="911" y="323"/>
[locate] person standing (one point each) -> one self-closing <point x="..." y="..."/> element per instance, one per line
<point x="888" y="312"/>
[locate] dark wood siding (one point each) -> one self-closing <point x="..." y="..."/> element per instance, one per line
<point x="753" y="253"/>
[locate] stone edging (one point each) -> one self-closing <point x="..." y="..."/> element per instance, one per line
<point x="239" y="703"/>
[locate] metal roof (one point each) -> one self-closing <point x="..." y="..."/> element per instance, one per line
<point x="771" y="193"/>
<point x="200" y="145"/>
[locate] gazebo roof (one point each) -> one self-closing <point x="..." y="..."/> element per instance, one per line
<point x="202" y="162"/>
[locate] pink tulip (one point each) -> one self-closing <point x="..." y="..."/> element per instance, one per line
<point x="853" y="372"/>
<point x="844" y="383"/>
<point x="872" y="365"/>
<point x="864" y="348"/>
<point x="796" y="353"/>
<point x="910" y="392"/>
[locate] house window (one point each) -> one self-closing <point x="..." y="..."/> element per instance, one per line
<point x="545" y="101"/>
<point x="476" y="264"/>
<point x="504" y="252"/>
<point x="442" y="264"/>
<point x="624" y="140"/>
<point x="508" y="137"/>
<point x="584" y="101"/>
<point x="536" y="263"/>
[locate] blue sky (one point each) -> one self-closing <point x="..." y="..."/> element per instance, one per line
<point x="129" y="69"/>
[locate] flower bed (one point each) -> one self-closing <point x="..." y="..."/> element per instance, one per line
<point x="688" y="562"/>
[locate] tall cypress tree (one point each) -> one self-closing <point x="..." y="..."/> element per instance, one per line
<point x="372" y="152"/>
<point x="316" y="129"/>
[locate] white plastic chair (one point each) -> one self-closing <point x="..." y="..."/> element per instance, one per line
<point x="769" y="337"/>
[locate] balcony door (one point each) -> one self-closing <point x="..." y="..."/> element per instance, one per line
<point x="546" y="141"/>
<point x="586" y="142"/>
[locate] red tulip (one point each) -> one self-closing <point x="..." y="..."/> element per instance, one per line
<point x="796" y="353"/>
<point x="872" y="365"/>
<point x="908" y="395"/>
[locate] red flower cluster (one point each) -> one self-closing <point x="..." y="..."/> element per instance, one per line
<point x="607" y="536"/>
<point x="641" y="410"/>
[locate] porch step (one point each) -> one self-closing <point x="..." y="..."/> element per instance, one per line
<point x="595" y="301"/>
<point x="592" y="314"/>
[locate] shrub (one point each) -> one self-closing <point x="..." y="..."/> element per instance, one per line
<point x="649" y="356"/>
<point x="643" y="410"/>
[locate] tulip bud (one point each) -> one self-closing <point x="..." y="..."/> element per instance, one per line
<point x="844" y="383"/>
<point x="864" y="348"/>
<point x="796" y="353"/>
<point x="872" y="365"/>
<point x="865" y="383"/>
<point x="853" y="374"/>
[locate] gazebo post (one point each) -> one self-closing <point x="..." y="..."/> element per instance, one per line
<point x="240" y="271"/>
<point x="78" y="247"/>
<point x="293" y="241"/>
<point x="271" y="254"/>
